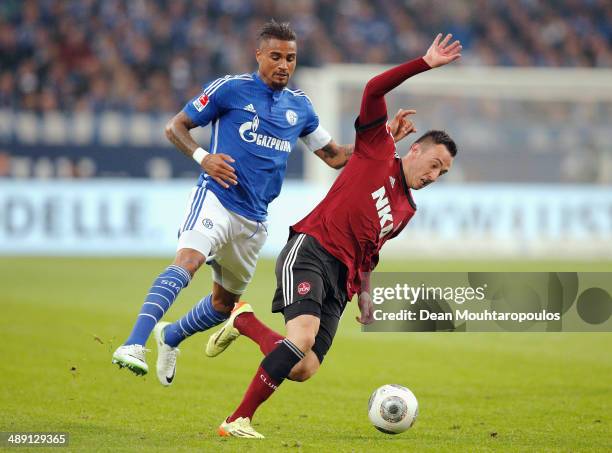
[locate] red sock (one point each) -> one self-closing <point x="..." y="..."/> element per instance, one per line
<point x="249" y="326"/>
<point x="262" y="386"/>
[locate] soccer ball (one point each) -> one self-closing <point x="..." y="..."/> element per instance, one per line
<point x="393" y="409"/>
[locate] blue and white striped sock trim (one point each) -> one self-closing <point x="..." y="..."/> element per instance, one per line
<point x="293" y="348"/>
<point x="211" y="313"/>
<point x="200" y="318"/>
<point x="182" y="272"/>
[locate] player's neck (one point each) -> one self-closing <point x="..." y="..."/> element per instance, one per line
<point x="268" y="83"/>
<point x="404" y="168"/>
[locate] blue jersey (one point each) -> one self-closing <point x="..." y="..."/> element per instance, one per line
<point x="258" y="126"/>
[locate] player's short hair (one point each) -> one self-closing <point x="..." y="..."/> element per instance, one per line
<point x="439" y="138"/>
<point x="277" y="30"/>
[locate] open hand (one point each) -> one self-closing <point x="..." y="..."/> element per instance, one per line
<point x="217" y="167"/>
<point x="441" y="53"/>
<point x="401" y="125"/>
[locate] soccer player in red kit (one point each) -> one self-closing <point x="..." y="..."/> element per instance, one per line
<point x="331" y="252"/>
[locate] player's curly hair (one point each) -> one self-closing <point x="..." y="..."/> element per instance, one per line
<point x="277" y="30"/>
<point x="439" y="138"/>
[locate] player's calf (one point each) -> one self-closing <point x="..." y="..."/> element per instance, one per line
<point x="223" y="301"/>
<point x="306" y="368"/>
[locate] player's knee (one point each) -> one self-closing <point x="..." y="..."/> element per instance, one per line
<point x="304" y="341"/>
<point x="302" y="330"/>
<point x="190" y="260"/>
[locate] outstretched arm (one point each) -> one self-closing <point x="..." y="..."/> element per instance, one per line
<point x="373" y="105"/>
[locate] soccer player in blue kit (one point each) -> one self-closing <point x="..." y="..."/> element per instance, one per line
<point x="256" y="122"/>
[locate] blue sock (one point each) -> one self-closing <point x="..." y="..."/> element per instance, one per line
<point x="201" y="317"/>
<point x="161" y="295"/>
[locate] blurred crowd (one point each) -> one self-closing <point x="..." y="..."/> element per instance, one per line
<point x="151" y="55"/>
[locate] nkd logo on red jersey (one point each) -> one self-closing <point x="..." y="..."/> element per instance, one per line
<point x="384" y="211"/>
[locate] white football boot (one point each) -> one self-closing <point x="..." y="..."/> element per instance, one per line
<point x="132" y="357"/>
<point x="241" y="427"/>
<point x="166" y="356"/>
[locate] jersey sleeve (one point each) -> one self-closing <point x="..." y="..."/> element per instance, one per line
<point x="209" y="104"/>
<point x="370" y="262"/>
<point x="371" y="125"/>
<point x="313" y="135"/>
<point x="372" y="136"/>
<point x="374" y="140"/>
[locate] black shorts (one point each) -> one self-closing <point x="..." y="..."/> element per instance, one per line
<point x="310" y="281"/>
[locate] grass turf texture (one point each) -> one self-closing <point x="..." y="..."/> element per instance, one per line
<point x="62" y="318"/>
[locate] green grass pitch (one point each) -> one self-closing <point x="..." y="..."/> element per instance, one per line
<point x="61" y="319"/>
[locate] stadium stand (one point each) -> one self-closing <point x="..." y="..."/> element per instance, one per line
<point x="150" y="55"/>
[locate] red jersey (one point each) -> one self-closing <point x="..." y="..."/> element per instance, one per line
<point x="370" y="202"/>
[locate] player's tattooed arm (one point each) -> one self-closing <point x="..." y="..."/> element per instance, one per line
<point x="334" y="155"/>
<point x="215" y="165"/>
